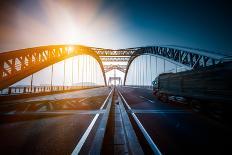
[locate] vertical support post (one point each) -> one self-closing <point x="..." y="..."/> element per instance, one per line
<point x="114" y="77"/>
<point x="9" y="90"/>
<point x="143" y="71"/>
<point x="150" y="72"/>
<point x="156" y="66"/>
<point x="32" y="76"/>
<point x="72" y="69"/>
<point x="52" y="78"/>
<point x="82" y="65"/>
<point x="164" y="65"/>
<point x="64" y="76"/>
<point x="1" y="69"/>
<point x="78" y="69"/>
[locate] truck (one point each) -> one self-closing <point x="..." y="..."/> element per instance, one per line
<point x="204" y="89"/>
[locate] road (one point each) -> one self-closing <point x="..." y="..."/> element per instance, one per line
<point x="61" y="124"/>
<point x="176" y="129"/>
<point x="51" y="124"/>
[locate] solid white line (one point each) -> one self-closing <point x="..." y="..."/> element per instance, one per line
<point x="83" y="99"/>
<point x="27" y="107"/>
<point x="147" y="136"/>
<point x="146" y="99"/>
<point x="84" y="137"/>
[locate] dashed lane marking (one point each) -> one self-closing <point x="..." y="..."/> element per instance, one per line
<point x="83" y="99"/>
<point x="147" y="99"/>
<point x="27" y="107"/>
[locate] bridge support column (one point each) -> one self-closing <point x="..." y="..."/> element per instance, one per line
<point x="31" y="81"/>
<point x="52" y="78"/>
<point x="9" y="90"/>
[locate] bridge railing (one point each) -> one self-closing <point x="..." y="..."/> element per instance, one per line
<point x="40" y="89"/>
<point x="140" y="86"/>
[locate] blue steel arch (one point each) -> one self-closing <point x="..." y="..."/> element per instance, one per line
<point x="188" y="57"/>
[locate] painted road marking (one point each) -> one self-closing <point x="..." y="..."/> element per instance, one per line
<point x="57" y="112"/>
<point x="147" y="99"/>
<point x="83" y="99"/>
<point x="85" y="135"/>
<point x="27" y="107"/>
<point x="153" y="146"/>
<point x="162" y="111"/>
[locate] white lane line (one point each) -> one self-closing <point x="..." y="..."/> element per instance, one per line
<point x="147" y="99"/>
<point x="27" y="107"/>
<point x="85" y="135"/>
<point x="12" y="112"/>
<point x="50" y="106"/>
<point x="43" y="108"/>
<point x="72" y="105"/>
<point x="162" y="111"/>
<point x="57" y="112"/>
<point x="83" y="99"/>
<point x="153" y="146"/>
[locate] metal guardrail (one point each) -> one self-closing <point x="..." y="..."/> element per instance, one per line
<point x="39" y="89"/>
<point x="151" y="143"/>
<point x="140" y="86"/>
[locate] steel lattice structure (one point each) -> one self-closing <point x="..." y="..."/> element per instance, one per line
<point x="191" y="58"/>
<point x="121" y="68"/>
<point x="18" y="64"/>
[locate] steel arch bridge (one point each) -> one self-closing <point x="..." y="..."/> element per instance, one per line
<point x="18" y="64"/>
<point x="187" y="57"/>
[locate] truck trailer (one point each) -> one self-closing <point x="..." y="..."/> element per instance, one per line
<point x="208" y="88"/>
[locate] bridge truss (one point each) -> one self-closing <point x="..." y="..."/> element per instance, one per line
<point x="18" y="64"/>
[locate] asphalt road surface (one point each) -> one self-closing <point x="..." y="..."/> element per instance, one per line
<point x="51" y="124"/>
<point x="56" y="124"/>
<point x="176" y="129"/>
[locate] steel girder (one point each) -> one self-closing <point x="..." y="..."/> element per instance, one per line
<point x="190" y="58"/>
<point x="114" y="59"/>
<point x="16" y="65"/>
<point x="112" y="52"/>
<point x="121" y="68"/>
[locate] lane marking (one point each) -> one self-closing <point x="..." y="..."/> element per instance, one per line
<point x="147" y="99"/>
<point x="83" y="99"/>
<point x="50" y="106"/>
<point x="56" y="112"/>
<point x="43" y="108"/>
<point x="85" y="135"/>
<point x="146" y="135"/>
<point x="72" y="105"/>
<point x="27" y="107"/>
<point x="162" y="111"/>
<point x="12" y="112"/>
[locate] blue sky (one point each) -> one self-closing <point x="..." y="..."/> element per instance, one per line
<point x="116" y="23"/>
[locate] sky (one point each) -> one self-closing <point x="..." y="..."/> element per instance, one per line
<point x="116" y="24"/>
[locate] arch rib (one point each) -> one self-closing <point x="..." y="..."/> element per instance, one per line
<point x="18" y="64"/>
<point x="191" y="59"/>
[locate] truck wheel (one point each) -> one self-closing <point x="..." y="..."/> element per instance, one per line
<point x="196" y="106"/>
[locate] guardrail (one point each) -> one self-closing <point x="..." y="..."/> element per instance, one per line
<point x="40" y="89"/>
<point x="140" y="86"/>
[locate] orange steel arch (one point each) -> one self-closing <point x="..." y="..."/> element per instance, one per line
<point x="18" y="64"/>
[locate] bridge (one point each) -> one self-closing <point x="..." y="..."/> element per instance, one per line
<point x="105" y="95"/>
